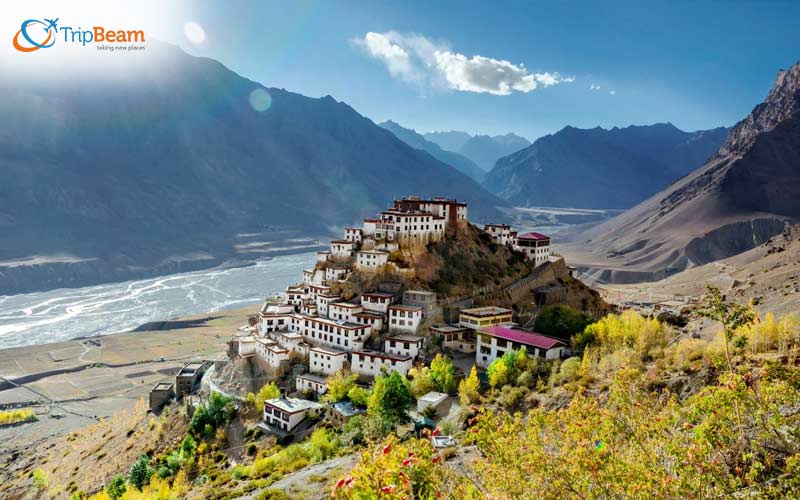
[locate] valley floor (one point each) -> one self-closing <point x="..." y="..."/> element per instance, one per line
<point x="72" y="384"/>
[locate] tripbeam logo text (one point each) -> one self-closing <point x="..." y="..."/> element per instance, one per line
<point x="36" y="34"/>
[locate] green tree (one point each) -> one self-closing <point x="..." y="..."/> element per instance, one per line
<point x="443" y="374"/>
<point x="217" y="411"/>
<point x="468" y="388"/>
<point x="117" y="487"/>
<point x="560" y="321"/>
<point x="339" y="384"/>
<point x="358" y="395"/>
<point x="269" y="391"/>
<point x="188" y="447"/>
<point x="140" y="472"/>
<point x="732" y="316"/>
<point x="390" y="398"/>
<point x="498" y="373"/>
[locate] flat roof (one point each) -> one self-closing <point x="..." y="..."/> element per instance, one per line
<point x="378" y="294"/>
<point x="344" y="304"/>
<point x="421" y="292"/>
<point x="328" y="350"/>
<point x="444" y="327"/>
<point x="292" y="405"/>
<point x="314" y="378"/>
<point x="434" y="397"/>
<point x="401" y="307"/>
<point x="163" y="386"/>
<point x="522" y="337"/>
<point x="378" y="354"/>
<point x="486" y="311"/>
<point x="405" y="338"/>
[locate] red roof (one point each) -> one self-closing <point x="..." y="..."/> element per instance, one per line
<point x="533" y="236"/>
<point x="522" y="337"/>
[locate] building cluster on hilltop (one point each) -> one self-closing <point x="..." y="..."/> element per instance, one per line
<point x="535" y="246"/>
<point x="377" y="331"/>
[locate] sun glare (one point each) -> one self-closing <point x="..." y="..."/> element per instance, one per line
<point x="194" y="33"/>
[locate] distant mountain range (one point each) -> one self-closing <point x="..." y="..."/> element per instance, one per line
<point x="599" y="168"/>
<point x="740" y="198"/>
<point x="484" y="150"/>
<point x="172" y="158"/>
<point x="417" y="141"/>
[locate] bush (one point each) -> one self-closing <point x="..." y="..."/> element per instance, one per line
<point x="117" y="487"/>
<point x="561" y="321"/>
<point x="141" y="472"/>
<point x="217" y="411"/>
<point x="39" y="479"/>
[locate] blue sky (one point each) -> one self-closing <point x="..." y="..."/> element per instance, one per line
<point x="696" y="64"/>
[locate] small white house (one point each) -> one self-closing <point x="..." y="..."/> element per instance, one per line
<point x="403" y="345"/>
<point x="377" y="301"/>
<point x="326" y="360"/>
<point x="372" y="363"/>
<point x="536" y="247"/>
<point x="501" y="233"/>
<point x="345" y="311"/>
<point x="352" y="234"/>
<point x="369" y="260"/>
<point x="404" y="318"/>
<point x="271" y="353"/>
<point x="308" y="382"/>
<point x="342" y="248"/>
<point x="247" y="346"/>
<point x="286" y="413"/>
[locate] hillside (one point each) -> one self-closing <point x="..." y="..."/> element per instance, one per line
<point x="768" y="275"/>
<point x="179" y="150"/>
<point x="599" y="168"/>
<point x="739" y="199"/>
<point x="417" y="141"/>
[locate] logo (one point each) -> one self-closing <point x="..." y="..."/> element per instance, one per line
<point x="35" y="34"/>
<point x="49" y="27"/>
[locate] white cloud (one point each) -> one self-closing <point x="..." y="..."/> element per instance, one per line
<point x="415" y="58"/>
<point x="612" y="92"/>
<point x="594" y="86"/>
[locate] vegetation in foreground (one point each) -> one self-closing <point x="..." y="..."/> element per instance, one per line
<point x="643" y="411"/>
<point x="627" y="431"/>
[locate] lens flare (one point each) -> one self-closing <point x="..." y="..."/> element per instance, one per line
<point x="194" y="33"/>
<point x="260" y="100"/>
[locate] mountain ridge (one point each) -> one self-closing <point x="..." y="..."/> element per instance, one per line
<point x="173" y="151"/>
<point x="745" y="194"/>
<point x="482" y="149"/>
<point x="417" y="141"/>
<point x="601" y="168"/>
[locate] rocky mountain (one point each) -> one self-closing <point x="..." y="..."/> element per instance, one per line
<point x="451" y="140"/>
<point x="740" y="198"/>
<point x="415" y="140"/>
<point x="484" y="150"/>
<point x="168" y="157"/>
<point x="599" y="168"/>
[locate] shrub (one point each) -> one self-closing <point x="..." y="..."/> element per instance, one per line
<point x="140" y="472"/>
<point x="117" y="487"/>
<point x="15" y="416"/>
<point x="39" y="479"/>
<point x="561" y="321"/>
